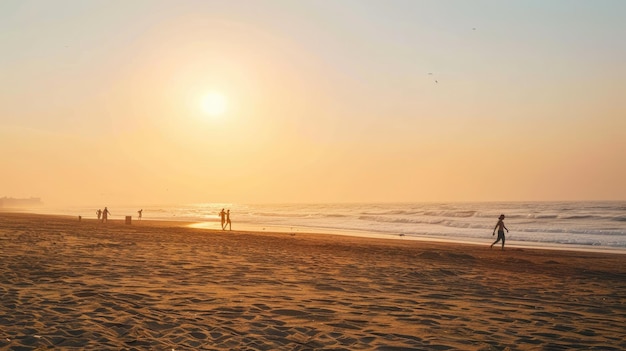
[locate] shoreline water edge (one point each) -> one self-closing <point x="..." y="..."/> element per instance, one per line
<point x="588" y="226"/>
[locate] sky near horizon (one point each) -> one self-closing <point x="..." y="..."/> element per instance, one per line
<point x="101" y="102"/>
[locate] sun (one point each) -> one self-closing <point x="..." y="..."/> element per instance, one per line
<point x="214" y="104"/>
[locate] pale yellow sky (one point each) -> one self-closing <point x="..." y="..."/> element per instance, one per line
<point x="327" y="101"/>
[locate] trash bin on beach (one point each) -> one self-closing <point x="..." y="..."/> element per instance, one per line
<point x="128" y="219"/>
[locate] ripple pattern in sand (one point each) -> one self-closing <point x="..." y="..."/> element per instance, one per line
<point x="150" y="289"/>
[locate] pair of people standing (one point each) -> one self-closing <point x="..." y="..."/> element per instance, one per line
<point x="103" y="215"/>
<point x="225" y="218"/>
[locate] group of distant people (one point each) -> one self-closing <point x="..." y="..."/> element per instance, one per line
<point x="225" y="218"/>
<point x="103" y="215"/>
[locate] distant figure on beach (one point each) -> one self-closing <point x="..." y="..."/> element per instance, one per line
<point x="500" y="227"/>
<point x="139" y="213"/>
<point x="105" y="214"/>
<point x="99" y="213"/>
<point x="223" y="218"/>
<point x="228" y="221"/>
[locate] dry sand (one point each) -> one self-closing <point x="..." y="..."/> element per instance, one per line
<point x="72" y="285"/>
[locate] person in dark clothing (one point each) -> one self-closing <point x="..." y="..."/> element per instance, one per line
<point x="105" y="215"/>
<point x="228" y="224"/>
<point x="500" y="227"/>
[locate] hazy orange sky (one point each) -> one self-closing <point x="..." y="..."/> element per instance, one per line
<point x="327" y="101"/>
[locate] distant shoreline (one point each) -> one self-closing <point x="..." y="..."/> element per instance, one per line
<point x="253" y="228"/>
<point x="274" y="229"/>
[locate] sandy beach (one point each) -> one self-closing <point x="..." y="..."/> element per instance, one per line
<point x="71" y="285"/>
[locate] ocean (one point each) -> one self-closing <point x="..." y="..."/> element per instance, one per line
<point x="572" y="225"/>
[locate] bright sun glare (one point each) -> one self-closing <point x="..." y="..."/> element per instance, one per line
<point x="214" y="104"/>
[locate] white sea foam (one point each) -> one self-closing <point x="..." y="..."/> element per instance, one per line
<point x="587" y="224"/>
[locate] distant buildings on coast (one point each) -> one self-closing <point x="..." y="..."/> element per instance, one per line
<point x="9" y="202"/>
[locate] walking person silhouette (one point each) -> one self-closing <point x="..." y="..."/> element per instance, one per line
<point x="223" y="217"/>
<point x="228" y="221"/>
<point x="500" y="227"/>
<point x="105" y="214"/>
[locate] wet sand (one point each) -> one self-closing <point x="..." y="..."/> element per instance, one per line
<point x="73" y="285"/>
